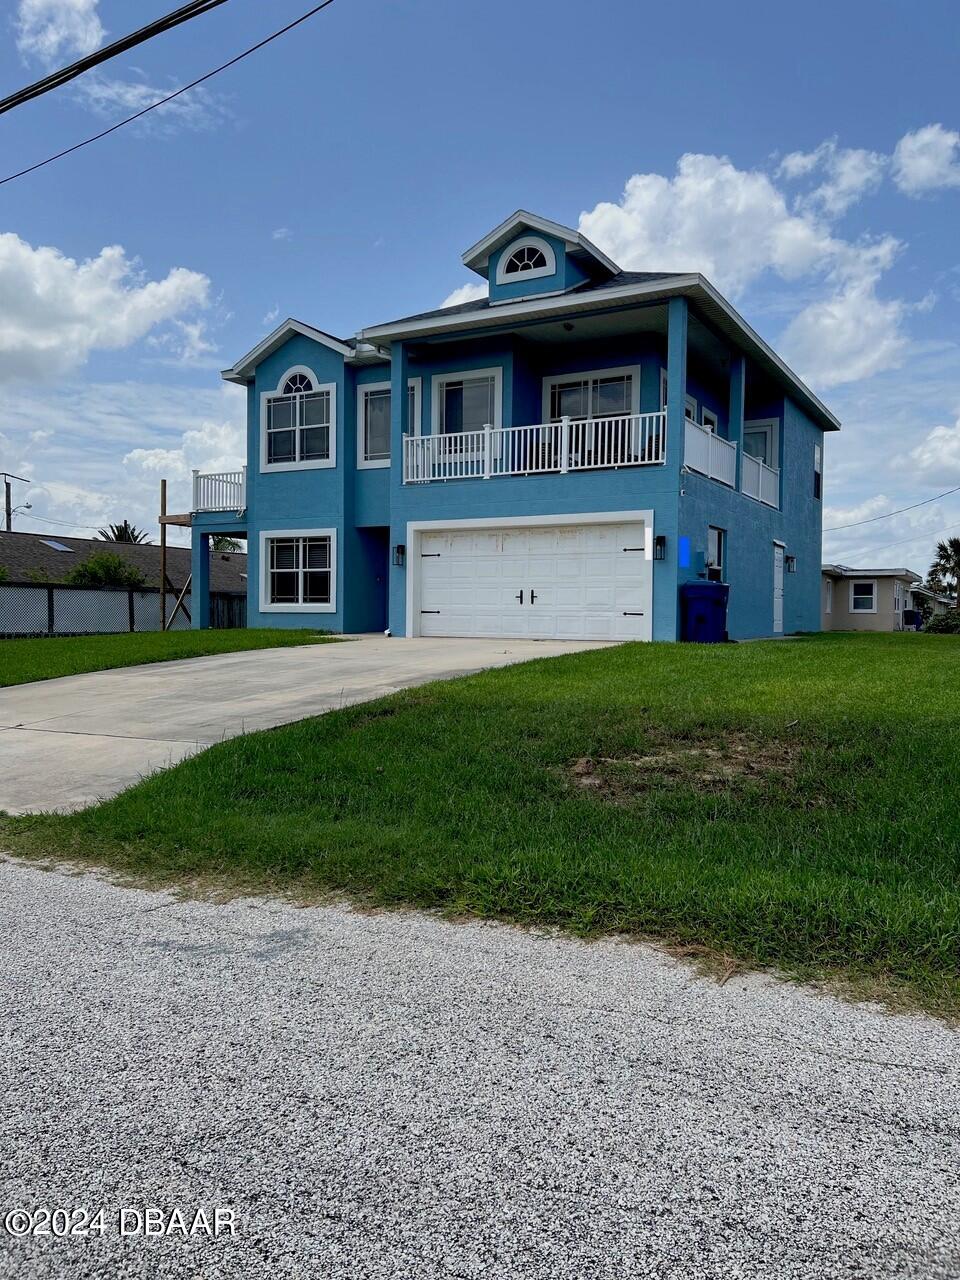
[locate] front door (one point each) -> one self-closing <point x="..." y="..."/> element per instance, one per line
<point x="777" y="588"/>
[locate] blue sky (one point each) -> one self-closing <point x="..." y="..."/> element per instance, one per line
<point x="808" y="162"/>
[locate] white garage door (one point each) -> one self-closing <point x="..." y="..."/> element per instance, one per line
<point x="579" y="582"/>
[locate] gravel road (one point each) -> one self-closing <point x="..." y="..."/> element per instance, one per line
<point x="397" y="1096"/>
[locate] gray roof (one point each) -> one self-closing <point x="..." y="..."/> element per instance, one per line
<point x="28" y="556"/>
<point x="844" y="571"/>
<point x="609" y="282"/>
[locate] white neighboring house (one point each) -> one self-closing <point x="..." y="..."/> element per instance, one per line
<point x="873" y="599"/>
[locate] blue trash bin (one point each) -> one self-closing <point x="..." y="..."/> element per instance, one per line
<point x="703" y="612"/>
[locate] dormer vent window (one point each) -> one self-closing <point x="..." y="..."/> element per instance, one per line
<point x="526" y="259"/>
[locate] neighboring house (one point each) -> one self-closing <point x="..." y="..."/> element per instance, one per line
<point x="555" y="460"/>
<point x="874" y="599"/>
<point x="48" y="558"/>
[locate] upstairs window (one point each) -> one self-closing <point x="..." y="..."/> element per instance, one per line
<point x="818" y="471"/>
<point x="298" y="423"/>
<point x="526" y="259"/>
<point x="374" y="421"/>
<point x="610" y="393"/>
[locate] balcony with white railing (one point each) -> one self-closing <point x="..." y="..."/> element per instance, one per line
<point x="760" y="482"/>
<point x="220" y="491"/>
<point x="636" y="440"/>
<point x="710" y="454"/>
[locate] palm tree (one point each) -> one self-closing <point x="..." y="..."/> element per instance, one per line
<point x="223" y="542"/>
<point x="125" y="532"/>
<point x="944" y="574"/>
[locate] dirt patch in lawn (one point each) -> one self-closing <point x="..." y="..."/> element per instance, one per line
<point x="713" y="764"/>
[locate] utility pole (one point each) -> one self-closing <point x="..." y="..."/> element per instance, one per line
<point x="163" y="555"/>
<point x="8" y="498"/>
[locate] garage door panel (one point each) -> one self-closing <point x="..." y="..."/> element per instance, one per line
<point x="586" y="585"/>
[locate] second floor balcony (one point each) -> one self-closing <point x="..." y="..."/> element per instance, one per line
<point x="591" y="444"/>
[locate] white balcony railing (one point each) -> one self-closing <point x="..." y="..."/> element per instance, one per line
<point x="220" y="491"/>
<point x="631" y="441"/>
<point x="710" y="454"/>
<point x="759" y="481"/>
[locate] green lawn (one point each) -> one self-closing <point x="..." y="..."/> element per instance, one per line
<point x="25" y="660"/>
<point x="791" y="803"/>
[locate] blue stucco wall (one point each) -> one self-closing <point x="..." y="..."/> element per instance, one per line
<point x="751" y="529"/>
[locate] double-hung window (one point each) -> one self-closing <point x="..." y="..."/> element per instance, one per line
<point x="298" y="570"/>
<point x="298" y="424"/>
<point x="863" y="596"/>
<point x="373" y="421"/>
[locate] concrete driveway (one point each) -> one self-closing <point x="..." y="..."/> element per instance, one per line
<point x="66" y="743"/>
<point x="378" y="1096"/>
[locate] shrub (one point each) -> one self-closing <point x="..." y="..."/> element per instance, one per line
<point x="4" y="573"/>
<point x="944" y="624"/>
<point x="104" y="569"/>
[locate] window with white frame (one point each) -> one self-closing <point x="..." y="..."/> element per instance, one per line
<point x="298" y="423"/>
<point x="603" y="393"/>
<point x="817" y="470"/>
<point x="760" y="441"/>
<point x="689" y="403"/>
<point x="373" y="421"/>
<point x="828" y="607"/>
<point x="526" y="259"/>
<point x="863" y="596"/>
<point x="298" y="570"/>
<point x="897" y="596"/>
<point x="716" y="552"/>
<point x="709" y="419"/>
<point x="466" y="401"/>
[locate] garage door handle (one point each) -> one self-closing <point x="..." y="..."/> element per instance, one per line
<point x="520" y="596"/>
<point x="533" y="595"/>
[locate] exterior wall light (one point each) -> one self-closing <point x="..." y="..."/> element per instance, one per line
<point x="400" y="555"/>
<point x="791" y="563"/>
<point x="660" y="547"/>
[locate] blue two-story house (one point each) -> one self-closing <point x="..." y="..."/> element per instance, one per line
<point x="555" y="460"/>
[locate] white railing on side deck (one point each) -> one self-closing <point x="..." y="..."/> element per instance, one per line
<point x="633" y="440"/>
<point x="710" y="454"/>
<point x="220" y="491"/>
<point x="759" y="481"/>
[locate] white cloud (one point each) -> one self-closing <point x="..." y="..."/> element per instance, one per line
<point x="54" y="310"/>
<point x="466" y="293"/>
<point x="282" y="233"/>
<point x="271" y="318"/>
<point x="735" y="226"/>
<point x="937" y="457"/>
<point x="927" y="159"/>
<point x="850" y="335"/>
<point x="848" y="174"/>
<point x="112" y="445"/>
<point x="51" y="30"/>
<point x="197" y="110"/>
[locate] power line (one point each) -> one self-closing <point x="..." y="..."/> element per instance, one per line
<point x="169" y="98"/>
<point x="855" y="524"/>
<point x="68" y="524"/>
<point x="920" y="537"/>
<point x="194" y="9"/>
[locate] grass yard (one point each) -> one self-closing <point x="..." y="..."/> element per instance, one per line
<point x="24" y="660"/>
<point x="787" y="803"/>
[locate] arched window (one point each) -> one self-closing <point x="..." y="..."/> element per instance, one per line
<point x="299" y="416"/>
<point x="526" y="259"/>
<point x="297" y="384"/>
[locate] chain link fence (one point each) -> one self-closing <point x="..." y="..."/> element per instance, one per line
<point x="38" y="609"/>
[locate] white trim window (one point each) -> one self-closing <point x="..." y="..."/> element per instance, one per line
<point x="828" y="608"/>
<point x="863" y="595"/>
<point x="298" y="423"/>
<point x="599" y="393"/>
<point x="761" y="440"/>
<point x="298" y="571"/>
<point x="689" y="403"/>
<point x="467" y="400"/>
<point x="818" y="470"/>
<point x="716" y="552"/>
<point x="709" y="419"/>
<point x="374" y="421"/>
<point x="528" y="258"/>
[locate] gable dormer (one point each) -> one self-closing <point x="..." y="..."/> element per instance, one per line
<point x="527" y="256"/>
